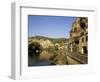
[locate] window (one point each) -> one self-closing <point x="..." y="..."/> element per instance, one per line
<point x="82" y="39"/>
<point x="86" y="38"/>
<point x="75" y="29"/>
<point x="77" y="42"/>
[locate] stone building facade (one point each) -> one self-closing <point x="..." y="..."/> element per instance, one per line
<point x="78" y="41"/>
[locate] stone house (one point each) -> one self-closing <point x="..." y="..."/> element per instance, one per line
<point x="79" y="36"/>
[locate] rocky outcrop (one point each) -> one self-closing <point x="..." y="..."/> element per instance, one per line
<point x="79" y="38"/>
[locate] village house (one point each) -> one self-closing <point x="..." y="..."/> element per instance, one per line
<point x="79" y="36"/>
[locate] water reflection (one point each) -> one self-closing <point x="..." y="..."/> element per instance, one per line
<point x="44" y="59"/>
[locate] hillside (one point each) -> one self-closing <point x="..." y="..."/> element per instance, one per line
<point x="48" y="38"/>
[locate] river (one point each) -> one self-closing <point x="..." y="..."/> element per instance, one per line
<point x="42" y="60"/>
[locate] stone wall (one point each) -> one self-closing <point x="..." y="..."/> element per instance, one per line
<point x="79" y="36"/>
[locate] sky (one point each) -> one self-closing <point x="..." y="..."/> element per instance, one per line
<point x="50" y="26"/>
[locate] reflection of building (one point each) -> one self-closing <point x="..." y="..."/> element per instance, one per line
<point x="79" y="36"/>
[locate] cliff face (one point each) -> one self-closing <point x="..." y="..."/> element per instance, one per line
<point x="47" y="42"/>
<point x="79" y="35"/>
<point x="80" y="25"/>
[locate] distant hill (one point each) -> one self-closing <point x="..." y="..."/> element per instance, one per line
<point x="48" y="38"/>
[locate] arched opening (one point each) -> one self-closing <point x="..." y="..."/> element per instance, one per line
<point x="34" y="49"/>
<point x="85" y="50"/>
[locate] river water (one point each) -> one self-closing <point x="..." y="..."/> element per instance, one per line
<point x="41" y="60"/>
